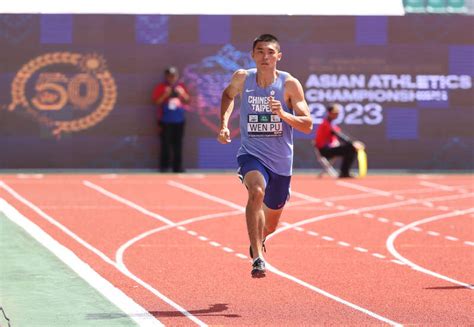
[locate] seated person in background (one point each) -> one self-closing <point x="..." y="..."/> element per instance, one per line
<point x="332" y="142"/>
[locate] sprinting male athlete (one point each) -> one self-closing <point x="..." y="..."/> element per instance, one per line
<point x="272" y="104"/>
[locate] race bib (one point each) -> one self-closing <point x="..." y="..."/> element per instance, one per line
<point x="264" y="125"/>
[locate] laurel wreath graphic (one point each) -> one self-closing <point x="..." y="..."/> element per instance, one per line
<point x="91" y="64"/>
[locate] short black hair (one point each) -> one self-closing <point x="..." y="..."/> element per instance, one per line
<point x="266" y="38"/>
<point x="332" y="106"/>
<point x="171" y="70"/>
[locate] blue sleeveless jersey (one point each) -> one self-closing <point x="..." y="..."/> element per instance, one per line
<point x="263" y="134"/>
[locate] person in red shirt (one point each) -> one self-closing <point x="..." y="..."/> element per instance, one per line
<point x="332" y="142"/>
<point x="171" y="98"/>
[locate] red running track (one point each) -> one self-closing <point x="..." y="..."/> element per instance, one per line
<point x="380" y="250"/>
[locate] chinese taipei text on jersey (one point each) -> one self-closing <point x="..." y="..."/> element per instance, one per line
<point x="263" y="134"/>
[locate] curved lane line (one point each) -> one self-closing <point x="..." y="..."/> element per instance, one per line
<point x="364" y="188"/>
<point x="206" y="195"/>
<point x="331" y="296"/>
<point x="127" y="202"/>
<point x="116" y="296"/>
<point x="391" y="247"/>
<point x="120" y="252"/>
<point x="291" y="226"/>
<point x="380" y="192"/>
<point x="99" y="253"/>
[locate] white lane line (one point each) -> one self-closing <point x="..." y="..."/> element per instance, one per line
<point x="203" y="238"/>
<point x="189" y="176"/>
<point x="413" y="200"/>
<point x="345" y="244"/>
<point x="469" y="243"/>
<point x="119" y="265"/>
<point x="296" y="203"/>
<point x="450" y="197"/>
<point x="438" y="186"/>
<point x="305" y="197"/>
<point x="136" y="312"/>
<point x="291" y="226"/>
<point x="206" y="195"/>
<point x="451" y="238"/>
<point x="397" y="223"/>
<point x="364" y="250"/>
<point x="331" y="296"/>
<point x="213" y="243"/>
<point x="426" y="202"/>
<point x="226" y="249"/>
<point x="412" y="191"/>
<point x="368" y="195"/>
<point x="350" y="197"/>
<point x="241" y="256"/>
<point x="428" y="176"/>
<point x="191" y="232"/>
<point x="390" y="243"/>
<point x="108" y="176"/>
<point x="127" y="202"/>
<point x="372" y="208"/>
<point x="364" y="188"/>
<point x="29" y="176"/>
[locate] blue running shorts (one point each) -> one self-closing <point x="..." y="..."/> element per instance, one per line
<point x="277" y="189"/>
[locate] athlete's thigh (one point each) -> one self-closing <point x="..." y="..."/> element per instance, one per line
<point x="277" y="192"/>
<point x="252" y="172"/>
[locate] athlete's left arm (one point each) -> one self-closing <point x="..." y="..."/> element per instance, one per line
<point x="301" y="119"/>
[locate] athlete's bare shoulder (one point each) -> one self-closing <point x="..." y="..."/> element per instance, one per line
<point x="239" y="75"/>
<point x="293" y="85"/>
<point x="236" y="83"/>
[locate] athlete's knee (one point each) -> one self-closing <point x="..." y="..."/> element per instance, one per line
<point x="256" y="193"/>
<point x="270" y="228"/>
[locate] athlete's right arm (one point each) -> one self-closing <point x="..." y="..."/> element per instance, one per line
<point x="227" y="103"/>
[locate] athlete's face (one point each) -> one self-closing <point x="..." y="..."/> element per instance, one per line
<point x="266" y="55"/>
<point x="171" y="78"/>
<point x="334" y="113"/>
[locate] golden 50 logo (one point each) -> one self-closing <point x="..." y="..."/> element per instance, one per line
<point x="66" y="92"/>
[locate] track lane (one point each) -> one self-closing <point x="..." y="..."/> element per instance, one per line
<point x="233" y="206"/>
<point x="202" y="309"/>
<point x="132" y="285"/>
<point x="424" y="278"/>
